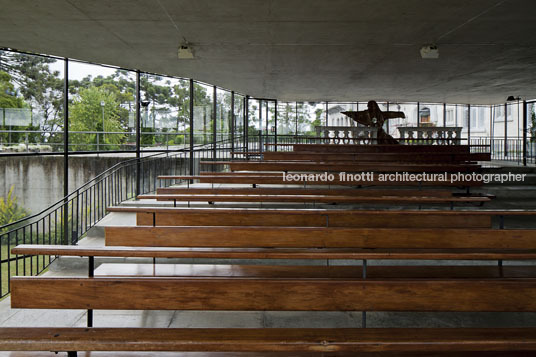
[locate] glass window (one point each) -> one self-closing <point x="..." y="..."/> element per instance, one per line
<point x="203" y="99"/>
<point x="101" y="108"/>
<point x="223" y="115"/>
<point x="286" y="118"/>
<point x="31" y="103"/>
<point x="165" y="108"/>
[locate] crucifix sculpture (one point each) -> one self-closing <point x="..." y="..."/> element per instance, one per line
<point x="374" y="117"/>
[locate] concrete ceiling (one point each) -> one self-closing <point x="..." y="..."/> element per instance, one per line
<point x="337" y="50"/>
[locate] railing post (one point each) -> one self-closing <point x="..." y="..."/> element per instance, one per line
<point x="191" y="127"/>
<point x="525" y="129"/>
<point x="232" y="120"/>
<point x="214" y="119"/>
<point x="246" y="122"/>
<point x="66" y="150"/>
<point x="275" y="132"/>
<point x="138" y="134"/>
<point x="505" y="130"/>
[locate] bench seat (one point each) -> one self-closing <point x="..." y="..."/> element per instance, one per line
<point x="269" y="340"/>
<point x="315" y="271"/>
<point x="277" y="253"/>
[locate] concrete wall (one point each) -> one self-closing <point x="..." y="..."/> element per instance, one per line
<point x="38" y="180"/>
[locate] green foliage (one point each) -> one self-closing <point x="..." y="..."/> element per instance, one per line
<point x="533" y="127"/>
<point x="147" y="139"/>
<point x="10" y="211"/>
<point x="87" y="114"/>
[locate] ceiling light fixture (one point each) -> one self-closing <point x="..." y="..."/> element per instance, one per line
<point x="186" y="51"/>
<point x="511" y="98"/>
<point x="430" y="52"/>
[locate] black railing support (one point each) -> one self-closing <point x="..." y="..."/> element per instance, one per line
<point x="66" y="150"/>
<point x="191" y="166"/>
<point x="138" y="134"/>
<point x="525" y="129"/>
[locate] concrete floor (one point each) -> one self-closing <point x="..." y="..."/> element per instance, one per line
<point x="270" y="319"/>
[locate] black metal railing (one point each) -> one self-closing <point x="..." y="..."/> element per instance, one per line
<point x="69" y="219"/>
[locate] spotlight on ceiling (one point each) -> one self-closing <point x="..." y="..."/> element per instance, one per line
<point x="429" y="52"/>
<point x="186" y="52"/>
<point x="511" y="98"/>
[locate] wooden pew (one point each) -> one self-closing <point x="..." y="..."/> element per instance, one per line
<point x="320" y="199"/>
<point x="301" y="166"/>
<point x="302" y="191"/>
<point x="429" y="149"/>
<point x="447" y="158"/>
<point x="168" y="216"/>
<point x="313" y="342"/>
<point x="277" y="179"/>
<point x="319" y="237"/>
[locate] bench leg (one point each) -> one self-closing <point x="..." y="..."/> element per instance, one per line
<point x="72" y="354"/>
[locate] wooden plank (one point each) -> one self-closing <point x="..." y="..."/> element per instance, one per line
<point x="167" y="216"/>
<point x="330" y="340"/>
<point x="331" y="219"/>
<point x="376" y="157"/>
<point x="310" y="237"/>
<point x="314" y="198"/>
<point x="306" y="272"/>
<point x="356" y="294"/>
<point x="276" y="253"/>
<point x="277" y="179"/>
<point x="303" y="191"/>
<point x="299" y="166"/>
<point x="326" y="148"/>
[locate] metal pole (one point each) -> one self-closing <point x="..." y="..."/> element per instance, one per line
<point x="232" y="120"/>
<point x="138" y="134"/>
<point x="444" y="114"/>
<point x="246" y="122"/>
<point x="505" y="129"/>
<point x="468" y="124"/>
<point x="65" y="150"/>
<point x="296" y="131"/>
<point x="214" y="119"/>
<point x="275" y="132"/>
<point x="327" y="119"/>
<point x="418" y="114"/>
<point x="525" y="129"/>
<point x="191" y="126"/>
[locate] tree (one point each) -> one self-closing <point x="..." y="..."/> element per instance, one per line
<point x="41" y="88"/>
<point x="87" y="113"/>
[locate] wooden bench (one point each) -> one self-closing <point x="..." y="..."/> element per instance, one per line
<point x="301" y="166"/>
<point x="320" y="237"/>
<point x="302" y="191"/>
<point x="277" y="179"/>
<point x="170" y="216"/>
<point x="407" y="342"/>
<point x="429" y="149"/>
<point x="442" y="157"/>
<point x="317" y="199"/>
<point x="228" y="287"/>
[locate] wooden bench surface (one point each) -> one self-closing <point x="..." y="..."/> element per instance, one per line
<point x="276" y="253"/>
<point x="376" y="157"/>
<point x="274" y="294"/>
<point x="170" y="216"/>
<point x="314" y="271"/>
<point x="316" y="237"/>
<point x="423" y="199"/>
<point x="277" y="179"/>
<point x="300" y="166"/>
<point x="304" y="191"/>
<point x="272" y="339"/>
<point x="430" y="149"/>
